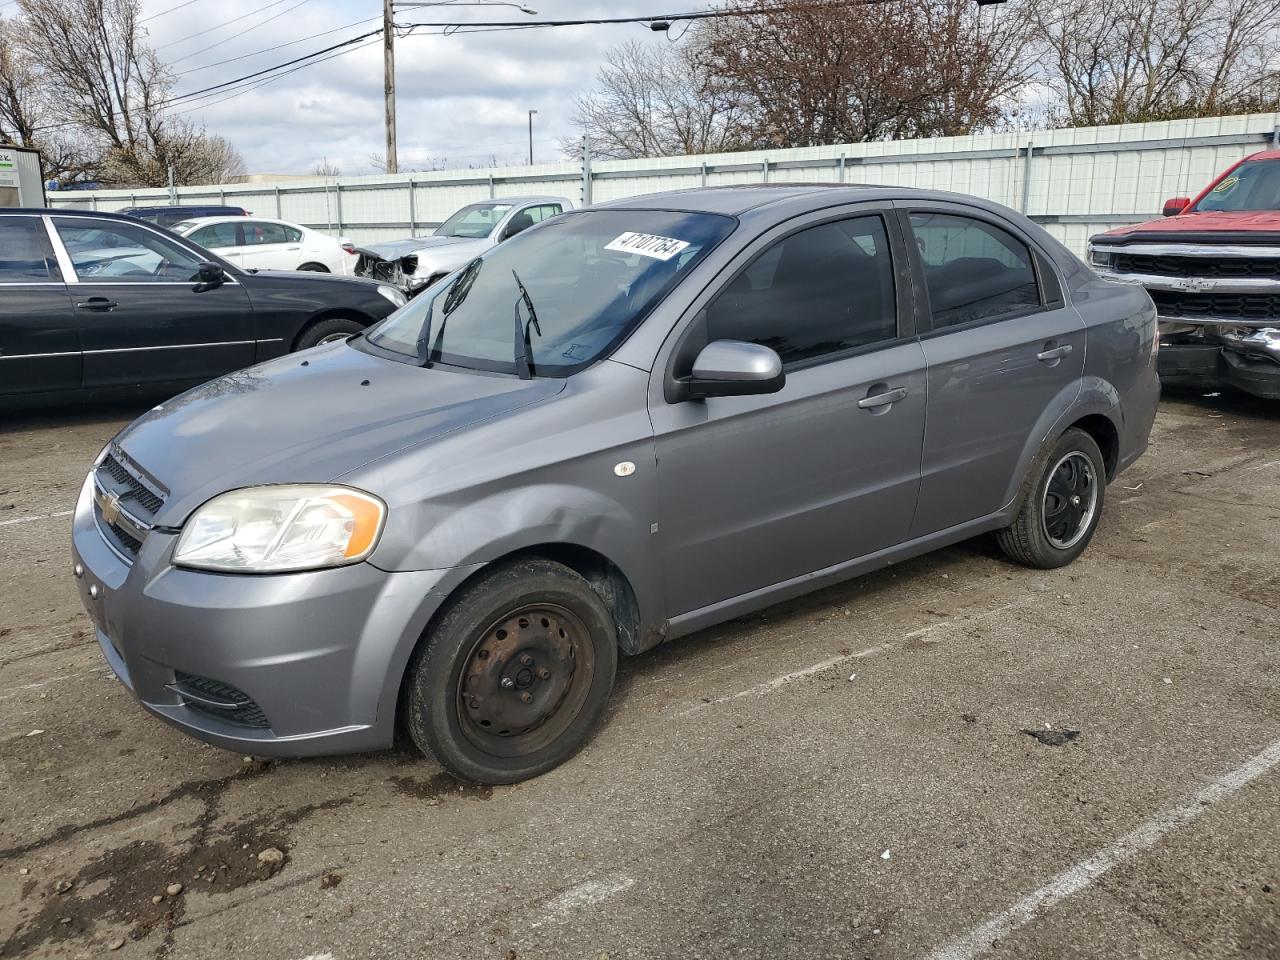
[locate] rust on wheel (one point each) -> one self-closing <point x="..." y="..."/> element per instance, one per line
<point x="525" y="680"/>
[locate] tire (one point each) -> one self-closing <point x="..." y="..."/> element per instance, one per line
<point x="1061" y="505"/>
<point x="323" y="331"/>
<point x="503" y="639"/>
<point x="314" y="268"/>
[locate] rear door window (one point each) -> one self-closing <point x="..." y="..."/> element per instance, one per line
<point x="824" y="290"/>
<point x="25" y="253"/>
<point x="974" y="271"/>
<point x="258" y="233"/>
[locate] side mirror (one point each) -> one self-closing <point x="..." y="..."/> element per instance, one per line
<point x="210" y="275"/>
<point x="734" y="368"/>
<point x="1175" y="206"/>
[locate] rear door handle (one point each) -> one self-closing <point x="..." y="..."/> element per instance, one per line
<point x="883" y="399"/>
<point x="1055" y="353"/>
<point x="97" y="303"/>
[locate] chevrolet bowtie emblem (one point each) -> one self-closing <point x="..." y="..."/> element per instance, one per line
<point x="1195" y="284"/>
<point x="110" y="505"/>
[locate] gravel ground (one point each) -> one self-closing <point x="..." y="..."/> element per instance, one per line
<point x="847" y="775"/>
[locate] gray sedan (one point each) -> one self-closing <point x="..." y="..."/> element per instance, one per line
<point x="624" y="425"/>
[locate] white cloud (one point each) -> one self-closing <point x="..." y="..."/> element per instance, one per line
<point x="462" y="97"/>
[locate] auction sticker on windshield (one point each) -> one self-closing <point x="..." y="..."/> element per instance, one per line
<point x="647" y="245"/>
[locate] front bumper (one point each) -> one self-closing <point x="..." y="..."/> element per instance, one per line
<point x="320" y="655"/>
<point x="1209" y="366"/>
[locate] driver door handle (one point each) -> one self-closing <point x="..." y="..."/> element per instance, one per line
<point x="883" y="399"/>
<point x="1057" y="353"/>
<point x="97" y="303"/>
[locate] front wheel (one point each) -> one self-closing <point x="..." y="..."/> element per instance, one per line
<point x="1061" y="510"/>
<point x="515" y="675"/>
<point x="327" y="331"/>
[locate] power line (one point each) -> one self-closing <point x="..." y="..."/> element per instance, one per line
<point x="264" y="82"/>
<point x="279" y="66"/>
<point x="480" y="26"/>
<point x="170" y="10"/>
<point x="188" y="56"/>
<point x="219" y="26"/>
<point x="278" y="46"/>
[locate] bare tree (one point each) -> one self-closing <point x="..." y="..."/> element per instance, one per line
<point x="326" y="169"/>
<point x="828" y="72"/>
<point x="98" y="80"/>
<point x="657" y="100"/>
<point x="1124" y="61"/>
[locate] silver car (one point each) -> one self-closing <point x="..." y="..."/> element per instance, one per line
<point x="417" y="263"/>
<point x="624" y="425"/>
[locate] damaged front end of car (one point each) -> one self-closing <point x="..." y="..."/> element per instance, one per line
<point x="399" y="270"/>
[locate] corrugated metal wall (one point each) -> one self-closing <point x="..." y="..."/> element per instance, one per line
<point x="1077" y="181"/>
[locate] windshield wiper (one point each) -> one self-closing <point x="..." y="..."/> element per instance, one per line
<point x="452" y="300"/>
<point x="523" y="349"/>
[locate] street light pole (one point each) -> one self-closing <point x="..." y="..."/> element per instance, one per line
<point x="389" y="82"/>
<point x="531" y="113"/>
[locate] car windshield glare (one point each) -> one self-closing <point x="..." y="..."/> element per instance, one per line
<point x="473" y="222"/>
<point x="1251" y="186"/>
<point x="590" y="277"/>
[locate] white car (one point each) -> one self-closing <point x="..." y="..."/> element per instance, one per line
<point x="417" y="263"/>
<point x="257" y="243"/>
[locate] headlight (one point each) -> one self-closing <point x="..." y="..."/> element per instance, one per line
<point x="278" y="528"/>
<point x="393" y="294"/>
<point x="1099" y="258"/>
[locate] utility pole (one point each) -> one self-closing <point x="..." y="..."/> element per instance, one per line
<point x="531" y="113"/>
<point x="389" y="82"/>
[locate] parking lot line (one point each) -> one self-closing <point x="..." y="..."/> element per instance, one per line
<point x="985" y="935"/>
<point x="43" y="516"/>
<point x="768" y="686"/>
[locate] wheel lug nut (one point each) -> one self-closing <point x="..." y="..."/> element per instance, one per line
<point x="526" y="697"/>
<point x="544" y="674"/>
<point x="475" y="704"/>
<point x="507" y="683"/>
<point x="526" y="660"/>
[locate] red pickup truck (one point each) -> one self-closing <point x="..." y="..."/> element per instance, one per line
<point x="1212" y="266"/>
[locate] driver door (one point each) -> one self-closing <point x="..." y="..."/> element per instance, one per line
<point x="143" y="318"/>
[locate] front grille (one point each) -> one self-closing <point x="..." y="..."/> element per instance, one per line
<point x="123" y="539"/>
<point x="134" y="495"/>
<point x="1227" y="306"/>
<point x="243" y="710"/>
<point x="1218" y="267"/>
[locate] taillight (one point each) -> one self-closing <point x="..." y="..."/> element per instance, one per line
<point x="349" y="248"/>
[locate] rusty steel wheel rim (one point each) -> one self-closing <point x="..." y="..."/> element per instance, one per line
<point x="525" y="679"/>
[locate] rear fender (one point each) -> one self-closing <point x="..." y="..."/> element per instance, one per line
<point x="1088" y="396"/>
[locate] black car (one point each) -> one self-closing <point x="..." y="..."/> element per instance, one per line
<point x="168" y="216"/>
<point x="95" y="304"/>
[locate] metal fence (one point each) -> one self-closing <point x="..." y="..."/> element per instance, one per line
<point x="1075" y="181"/>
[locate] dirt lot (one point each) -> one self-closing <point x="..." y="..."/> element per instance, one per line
<point x="843" y="776"/>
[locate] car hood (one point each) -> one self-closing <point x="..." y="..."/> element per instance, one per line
<point x="395" y="249"/>
<point x="1193" y="226"/>
<point x="308" y="418"/>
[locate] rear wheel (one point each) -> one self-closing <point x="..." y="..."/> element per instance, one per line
<point x="1061" y="510"/>
<point x="314" y="268"/>
<point x="327" y="331"/>
<point x="514" y="677"/>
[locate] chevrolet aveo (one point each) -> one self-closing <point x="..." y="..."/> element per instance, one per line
<point x="627" y="423"/>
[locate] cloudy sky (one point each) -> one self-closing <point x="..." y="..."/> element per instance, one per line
<point x="462" y="98"/>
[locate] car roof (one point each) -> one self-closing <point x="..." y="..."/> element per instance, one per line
<point x="739" y="199"/>
<point x="59" y="212"/>
<point x="516" y="201"/>
<point x="204" y="221"/>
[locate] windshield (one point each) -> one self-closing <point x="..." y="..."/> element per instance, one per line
<point x="474" y="222"/>
<point x="590" y="276"/>
<point x="1250" y="186"/>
